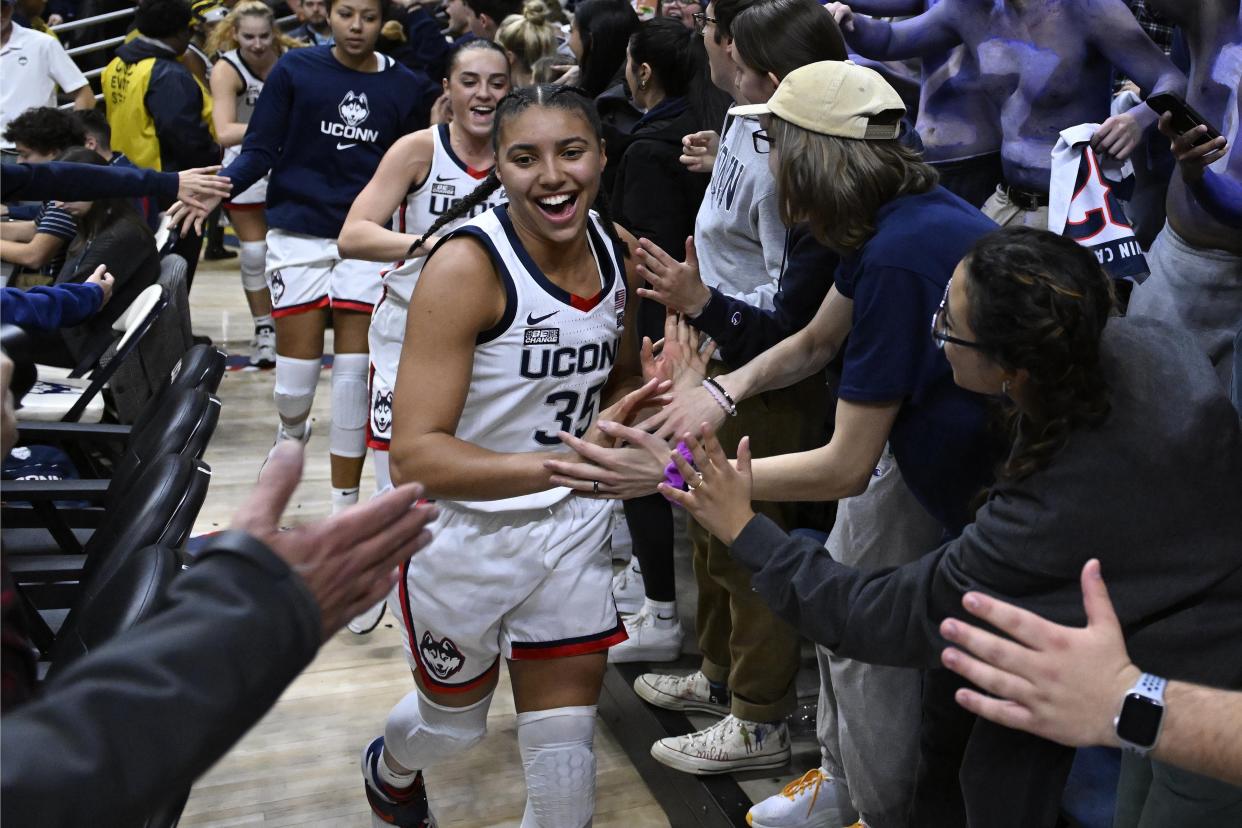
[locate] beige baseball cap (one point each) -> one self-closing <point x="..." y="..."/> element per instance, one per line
<point x="835" y="97"/>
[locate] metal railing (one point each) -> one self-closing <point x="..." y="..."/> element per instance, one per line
<point x="90" y="21"/>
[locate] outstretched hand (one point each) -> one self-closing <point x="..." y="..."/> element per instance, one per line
<point x="348" y="561"/>
<point x="843" y="14"/>
<point x="185" y="216"/>
<point x="675" y="285"/>
<point x="718" y="494"/>
<point x="105" y="280"/>
<point x="681" y="357"/>
<point x="198" y="186"/>
<point x="1118" y="136"/>
<point x="1061" y="683"/>
<point x="633" y="468"/>
<point x="698" y="151"/>
<point x="625" y="409"/>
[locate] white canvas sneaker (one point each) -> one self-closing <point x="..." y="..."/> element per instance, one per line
<point x="807" y="802"/>
<point x="729" y="745"/>
<point x="651" y="639"/>
<point x="628" y="589"/>
<point x="692" y="692"/>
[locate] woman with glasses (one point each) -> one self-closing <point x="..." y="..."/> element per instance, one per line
<point x="684" y="12"/>
<point x="1122" y="447"/>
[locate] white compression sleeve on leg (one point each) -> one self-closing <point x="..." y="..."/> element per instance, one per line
<point x="252" y="263"/>
<point x="419" y="733"/>
<point x="559" y="761"/>
<point x="348" y="437"/>
<point x="383" y="476"/>
<point x="295" y="387"/>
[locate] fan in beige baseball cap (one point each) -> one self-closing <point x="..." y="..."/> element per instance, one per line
<point x="835" y="97"/>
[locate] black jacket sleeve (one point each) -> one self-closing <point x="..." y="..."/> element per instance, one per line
<point x="892" y="616"/>
<point x="143" y="716"/>
<point x="654" y="197"/>
<point x="745" y="331"/>
<point x="66" y="181"/>
<point x="175" y="102"/>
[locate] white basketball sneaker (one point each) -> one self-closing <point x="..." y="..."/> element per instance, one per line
<point x="628" y="589"/>
<point x="369" y="620"/>
<point x="807" y="802"/>
<point x="730" y="745"/>
<point x="692" y="692"/>
<point x="651" y="638"/>
<point x="263" y="347"/>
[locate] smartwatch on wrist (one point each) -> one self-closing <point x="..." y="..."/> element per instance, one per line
<point x="1142" y="713"/>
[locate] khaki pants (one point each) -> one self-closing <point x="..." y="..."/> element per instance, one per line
<point x="742" y="642"/>
<point x="1005" y="213"/>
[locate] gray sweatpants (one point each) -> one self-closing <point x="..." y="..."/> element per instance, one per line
<point x="868" y="722"/>
<point x="1196" y="289"/>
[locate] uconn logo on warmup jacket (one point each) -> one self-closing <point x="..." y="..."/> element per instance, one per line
<point x="353" y="110"/>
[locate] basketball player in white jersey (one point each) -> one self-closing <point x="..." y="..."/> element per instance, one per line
<point x="422" y="177"/>
<point x="249" y="45"/>
<point x="518" y="331"/>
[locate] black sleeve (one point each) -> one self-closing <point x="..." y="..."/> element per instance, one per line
<point x="892" y="616"/>
<point x="175" y="102"/>
<point x="66" y="181"/>
<point x="745" y="331"/>
<point x="655" y="198"/>
<point x="139" y="719"/>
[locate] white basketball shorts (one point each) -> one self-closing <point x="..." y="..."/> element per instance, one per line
<point x="253" y="197"/>
<point x="307" y="272"/>
<point x="532" y="584"/>
<point x="385" y="337"/>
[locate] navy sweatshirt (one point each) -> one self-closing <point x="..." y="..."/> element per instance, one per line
<point x="66" y="181"/>
<point x="47" y="308"/>
<point x="321" y="129"/>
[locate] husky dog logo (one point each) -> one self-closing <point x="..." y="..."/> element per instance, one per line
<point x="383" y="411"/>
<point x="440" y="657"/>
<point x="277" y="286"/>
<point x="354" y="108"/>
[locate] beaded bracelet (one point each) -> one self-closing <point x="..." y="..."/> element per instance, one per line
<point x="720" y="396"/>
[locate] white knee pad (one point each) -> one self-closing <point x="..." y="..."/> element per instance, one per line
<point x="560" y="766"/>
<point x="295" y="387"/>
<point x="252" y="261"/>
<point x="419" y="733"/>
<point x="349" y="405"/>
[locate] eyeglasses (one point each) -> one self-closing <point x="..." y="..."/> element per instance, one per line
<point x="939" y="326"/>
<point x="762" y="141"/>
<point x="701" y="20"/>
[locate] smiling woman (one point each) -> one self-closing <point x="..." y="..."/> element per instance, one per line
<point x="542" y="282"/>
<point x="352" y="104"/>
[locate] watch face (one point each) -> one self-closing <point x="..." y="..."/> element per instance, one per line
<point x="1139" y="722"/>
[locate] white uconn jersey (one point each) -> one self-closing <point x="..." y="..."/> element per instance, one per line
<point x="542" y="368"/>
<point x="448" y="181"/>
<point x="246" y="98"/>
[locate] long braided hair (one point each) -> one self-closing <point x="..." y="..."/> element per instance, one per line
<point x="516" y="102"/>
<point x="1039" y="302"/>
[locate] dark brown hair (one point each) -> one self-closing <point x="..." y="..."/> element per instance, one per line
<point x="1038" y="302"/>
<point x="778" y="36"/>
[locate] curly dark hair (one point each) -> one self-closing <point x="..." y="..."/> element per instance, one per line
<point x="1038" y="302"/>
<point x="46" y="130"/>
<point x="550" y="96"/>
<point x="163" y="18"/>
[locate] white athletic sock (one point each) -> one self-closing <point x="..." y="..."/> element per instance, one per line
<point x="664" y="612"/>
<point x="343" y="498"/>
<point x="397" y="780"/>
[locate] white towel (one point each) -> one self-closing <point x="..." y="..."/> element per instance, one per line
<point x="1083" y="206"/>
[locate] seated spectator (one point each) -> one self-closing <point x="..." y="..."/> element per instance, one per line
<point x="33" y="65"/>
<point x="527" y="38"/>
<point x="110" y="232"/>
<point x="679" y="10"/>
<point x="37" y="136"/>
<point x="98" y="137"/>
<point x="38" y="246"/>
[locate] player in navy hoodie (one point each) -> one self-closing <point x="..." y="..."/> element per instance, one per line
<point x="325" y="118"/>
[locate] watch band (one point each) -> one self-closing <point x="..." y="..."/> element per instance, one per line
<point x="1151" y="687"/>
